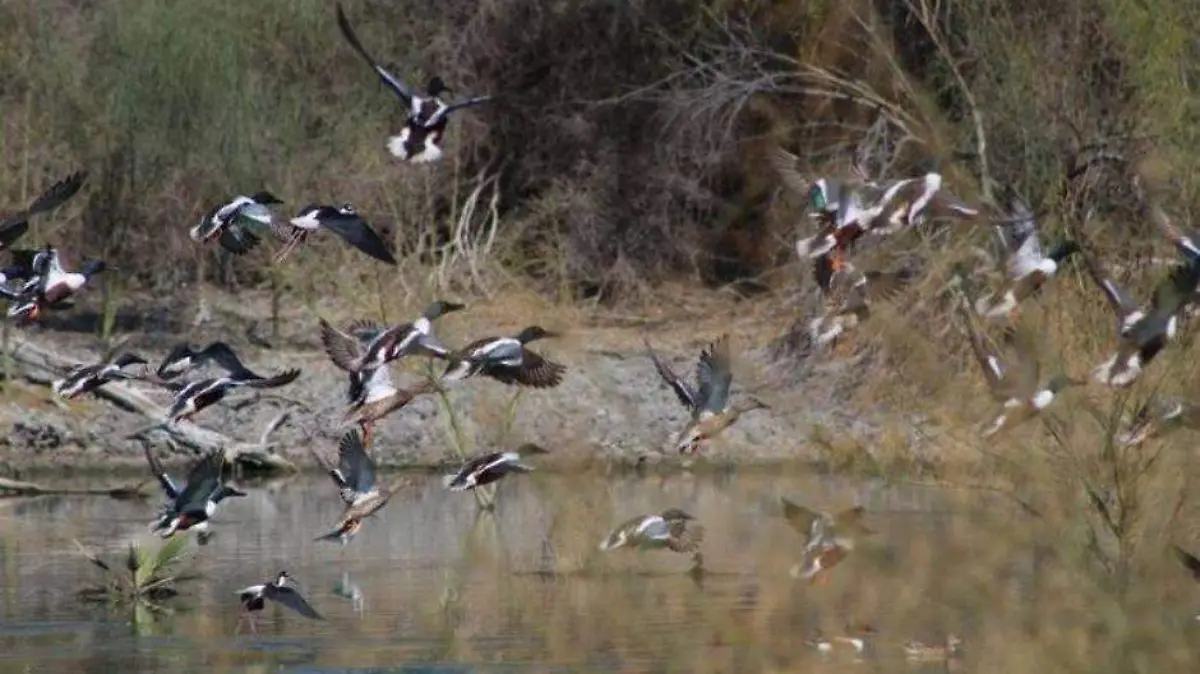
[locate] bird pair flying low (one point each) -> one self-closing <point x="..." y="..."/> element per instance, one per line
<point x="241" y="224"/>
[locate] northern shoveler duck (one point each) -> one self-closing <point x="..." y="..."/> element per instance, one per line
<point x="238" y="226"/>
<point x="851" y="208"/>
<point x="708" y="402"/>
<point x="82" y="379"/>
<point x="668" y="530"/>
<point x="189" y="508"/>
<point x="192" y="397"/>
<point x="354" y="476"/>
<point x="1016" y="385"/>
<point x="183" y="358"/>
<point x="848" y="300"/>
<point x="1026" y="267"/>
<point x="1142" y="334"/>
<point x="14" y="225"/>
<point x="347" y="350"/>
<point x="507" y="360"/>
<point x="490" y="467"/>
<point x="341" y="220"/>
<point x="280" y="590"/>
<point x="828" y="538"/>
<point x="53" y="286"/>
<point x="1156" y="418"/>
<point x="915" y="651"/>
<point x="420" y="139"/>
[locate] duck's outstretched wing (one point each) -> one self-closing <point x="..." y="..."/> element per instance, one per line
<point x="203" y="479"/>
<point x="785" y="164"/>
<point x="356" y="232"/>
<point x="168" y="485"/>
<point x="342" y="348"/>
<point x="470" y="102"/>
<point x="282" y="379"/>
<point x="354" y="464"/>
<point x="685" y="393"/>
<point x="714" y="374"/>
<point x="224" y="356"/>
<point x="394" y="83"/>
<point x="291" y="599"/>
<point x="989" y="361"/>
<point x="535" y="371"/>
<point x="1121" y="302"/>
<point x="800" y="518"/>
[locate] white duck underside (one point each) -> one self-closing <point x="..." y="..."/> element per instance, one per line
<point x="429" y="151"/>
<point x="1109" y="373"/>
<point x="815" y="246"/>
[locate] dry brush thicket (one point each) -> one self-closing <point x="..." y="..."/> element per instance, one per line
<point x="629" y="144"/>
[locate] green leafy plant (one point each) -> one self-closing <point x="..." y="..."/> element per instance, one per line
<point x="149" y="576"/>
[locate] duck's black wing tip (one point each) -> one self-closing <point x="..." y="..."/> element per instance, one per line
<point x="356" y="232"/>
<point x="58" y="193"/>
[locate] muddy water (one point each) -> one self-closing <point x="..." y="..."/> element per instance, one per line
<point x="435" y="585"/>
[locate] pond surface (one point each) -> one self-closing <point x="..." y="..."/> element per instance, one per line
<point x="435" y="585"/>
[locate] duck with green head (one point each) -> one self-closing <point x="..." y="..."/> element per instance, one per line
<point x="851" y="208"/>
<point x="708" y="401"/>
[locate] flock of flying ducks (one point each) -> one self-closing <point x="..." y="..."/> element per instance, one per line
<point x="36" y="281"/>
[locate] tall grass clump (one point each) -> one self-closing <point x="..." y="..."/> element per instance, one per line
<point x="149" y="576"/>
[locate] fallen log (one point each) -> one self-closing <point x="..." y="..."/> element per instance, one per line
<point x="20" y="488"/>
<point x="38" y="365"/>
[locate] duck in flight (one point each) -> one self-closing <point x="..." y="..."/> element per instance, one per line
<point x="239" y="225"/>
<point x="82" y="379"/>
<point x="1142" y="333"/>
<point x="507" y="360"/>
<point x="1015" y="383"/>
<point x="191" y="506"/>
<point x="51" y="287"/>
<point x="420" y="141"/>
<point x="371" y="394"/>
<point x="828" y="538"/>
<point x="491" y="467"/>
<point x="367" y="345"/>
<point x="668" y="530"/>
<point x="341" y="220"/>
<point x="354" y="476"/>
<point x="1026" y="266"/>
<point x="708" y="401"/>
<point x="254" y="598"/>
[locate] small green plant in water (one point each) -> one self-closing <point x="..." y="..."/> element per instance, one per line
<point x="148" y="577"/>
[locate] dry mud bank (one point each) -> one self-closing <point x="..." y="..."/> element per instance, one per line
<point x="610" y="409"/>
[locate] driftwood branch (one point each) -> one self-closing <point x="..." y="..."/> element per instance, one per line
<point x="20" y="488"/>
<point x="39" y="365"/>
